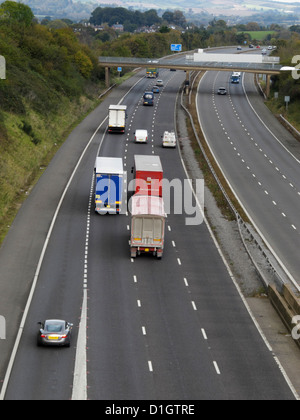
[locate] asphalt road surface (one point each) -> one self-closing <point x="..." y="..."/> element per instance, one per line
<point x="170" y="329"/>
<point x="262" y="172"/>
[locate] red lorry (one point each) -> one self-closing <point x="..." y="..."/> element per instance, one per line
<point x="148" y="174"/>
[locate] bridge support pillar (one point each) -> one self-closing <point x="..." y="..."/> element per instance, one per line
<point x="187" y="83"/>
<point x="268" y="85"/>
<point x="107" y="77"/>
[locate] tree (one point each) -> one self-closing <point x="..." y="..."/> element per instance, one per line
<point x="179" y="19"/>
<point x="164" y="30"/>
<point x="168" y="16"/>
<point x="12" y="11"/>
<point x="151" y="17"/>
<point x="253" y="26"/>
<point x="84" y="64"/>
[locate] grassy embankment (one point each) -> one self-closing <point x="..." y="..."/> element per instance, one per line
<point x="287" y="84"/>
<point x="52" y="82"/>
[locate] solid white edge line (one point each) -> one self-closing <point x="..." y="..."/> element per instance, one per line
<point x="287" y="379"/>
<point x="36" y="276"/>
<point x="257" y="115"/>
<point x="79" y="392"/>
<point x="33" y="287"/>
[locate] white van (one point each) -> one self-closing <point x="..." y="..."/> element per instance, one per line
<point x="141" y="136"/>
<point x="169" y="139"/>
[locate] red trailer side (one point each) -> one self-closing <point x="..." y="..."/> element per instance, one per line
<point x="148" y="175"/>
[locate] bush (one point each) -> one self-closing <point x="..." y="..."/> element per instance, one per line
<point x="42" y="65"/>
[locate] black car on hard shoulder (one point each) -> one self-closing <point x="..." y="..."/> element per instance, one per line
<point x="54" y="332"/>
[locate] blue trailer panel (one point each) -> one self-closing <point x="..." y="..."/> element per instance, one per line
<point x="109" y="185"/>
<point x="235" y="78"/>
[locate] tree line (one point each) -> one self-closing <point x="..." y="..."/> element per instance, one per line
<point x="133" y="19"/>
<point x="44" y="62"/>
<point x="41" y="63"/>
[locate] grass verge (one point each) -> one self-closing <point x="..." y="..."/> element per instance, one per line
<point x="28" y="143"/>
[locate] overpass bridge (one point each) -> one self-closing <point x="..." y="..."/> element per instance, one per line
<point x="189" y="63"/>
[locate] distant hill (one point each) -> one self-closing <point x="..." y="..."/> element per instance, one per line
<point x="275" y="11"/>
<point x="59" y="9"/>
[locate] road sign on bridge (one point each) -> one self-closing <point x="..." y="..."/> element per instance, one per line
<point x="176" y="47"/>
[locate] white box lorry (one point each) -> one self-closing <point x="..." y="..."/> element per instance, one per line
<point x="117" y="115"/>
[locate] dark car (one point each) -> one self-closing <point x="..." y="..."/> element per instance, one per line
<point x="222" y="91"/>
<point x="54" y="332"/>
<point x="148" y="98"/>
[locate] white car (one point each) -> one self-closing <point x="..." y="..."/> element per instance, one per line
<point x="169" y="139"/>
<point x="141" y="136"/>
<point x="159" y="83"/>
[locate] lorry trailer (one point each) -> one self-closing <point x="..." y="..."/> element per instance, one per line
<point x="117" y="118"/>
<point x="109" y="184"/>
<point x="147" y="225"/>
<point x="152" y="73"/>
<point x="148" y="174"/>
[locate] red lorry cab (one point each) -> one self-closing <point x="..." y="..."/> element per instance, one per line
<point x="148" y="174"/>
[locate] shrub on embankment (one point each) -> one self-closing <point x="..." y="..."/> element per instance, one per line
<point x="52" y="80"/>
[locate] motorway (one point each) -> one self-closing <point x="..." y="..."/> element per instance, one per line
<point x="262" y="172"/>
<point x="173" y="329"/>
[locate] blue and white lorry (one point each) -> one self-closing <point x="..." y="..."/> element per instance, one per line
<point x="109" y="185"/>
<point x="235" y="77"/>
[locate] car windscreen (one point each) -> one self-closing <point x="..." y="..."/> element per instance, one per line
<point x="54" y="327"/>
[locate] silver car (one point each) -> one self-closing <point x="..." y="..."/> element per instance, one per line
<point x="54" y="332"/>
<point x="222" y="91"/>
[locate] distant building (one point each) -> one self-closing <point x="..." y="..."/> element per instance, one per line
<point x="118" y="27"/>
<point x="98" y="28"/>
